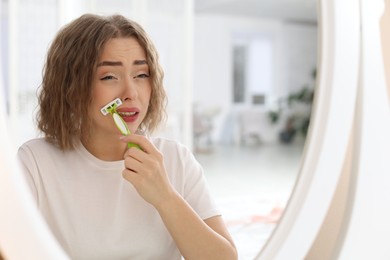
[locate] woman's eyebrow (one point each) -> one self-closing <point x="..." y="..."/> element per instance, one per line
<point x="119" y="63"/>
<point x="139" y="62"/>
<point x="110" y="63"/>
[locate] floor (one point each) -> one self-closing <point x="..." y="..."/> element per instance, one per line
<point x="251" y="185"/>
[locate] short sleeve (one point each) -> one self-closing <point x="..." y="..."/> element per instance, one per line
<point x="28" y="167"/>
<point x="196" y="188"/>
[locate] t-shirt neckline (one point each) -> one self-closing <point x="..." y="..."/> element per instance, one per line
<point x="96" y="161"/>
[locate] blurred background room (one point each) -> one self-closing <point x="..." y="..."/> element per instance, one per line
<point x="240" y="77"/>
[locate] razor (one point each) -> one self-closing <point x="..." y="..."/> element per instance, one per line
<point x="110" y="108"/>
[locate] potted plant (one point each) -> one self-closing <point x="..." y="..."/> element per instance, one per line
<point x="297" y="120"/>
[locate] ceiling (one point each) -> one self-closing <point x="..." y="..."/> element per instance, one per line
<point x="303" y="11"/>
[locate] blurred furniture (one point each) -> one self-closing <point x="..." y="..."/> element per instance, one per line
<point x="255" y="126"/>
<point x="203" y="126"/>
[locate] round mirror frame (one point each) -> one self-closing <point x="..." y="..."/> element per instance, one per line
<point x="348" y="136"/>
<point x="344" y="179"/>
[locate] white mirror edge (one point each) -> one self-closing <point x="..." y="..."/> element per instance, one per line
<point x="331" y="126"/>
<point x="366" y="227"/>
<point x="23" y="232"/>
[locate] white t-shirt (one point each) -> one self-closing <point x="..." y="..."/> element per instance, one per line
<point x="95" y="213"/>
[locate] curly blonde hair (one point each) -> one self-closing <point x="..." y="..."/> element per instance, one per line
<point x="66" y="88"/>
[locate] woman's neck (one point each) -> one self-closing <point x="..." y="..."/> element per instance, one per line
<point x="106" y="148"/>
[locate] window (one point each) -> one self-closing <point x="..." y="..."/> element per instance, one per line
<point x="253" y="66"/>
<point x="239" y="69"/>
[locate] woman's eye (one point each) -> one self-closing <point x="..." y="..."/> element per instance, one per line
<point x="142" y="76"/>
<point x="109" y="77"/>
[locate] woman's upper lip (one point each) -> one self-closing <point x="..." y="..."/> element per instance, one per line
<point x="128" y="109"/>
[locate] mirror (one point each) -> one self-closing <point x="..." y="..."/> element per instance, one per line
<point x="232" y="145"/>
<point x="332" y="124"/>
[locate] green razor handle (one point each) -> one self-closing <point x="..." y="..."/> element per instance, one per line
<point x="110" y="108"/>
<point x="122" y="126"/>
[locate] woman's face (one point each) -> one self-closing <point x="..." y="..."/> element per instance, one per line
<point x="122" y="72"/>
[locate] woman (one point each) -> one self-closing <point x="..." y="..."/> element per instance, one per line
<point x="101" y="199"/>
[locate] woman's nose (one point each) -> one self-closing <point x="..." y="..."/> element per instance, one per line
<point x="130" y="92"/>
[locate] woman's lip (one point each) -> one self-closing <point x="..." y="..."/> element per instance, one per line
<point x="129" y="114"/>
<point x="130" y="119"/>
<point x="127" y="109"/>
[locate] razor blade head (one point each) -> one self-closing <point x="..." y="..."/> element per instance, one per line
<point x="109" y="108"/>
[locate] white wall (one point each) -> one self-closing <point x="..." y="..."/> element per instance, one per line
<point x="212" y="67"/>
<point x="295" y="57"/>
<point x="300" y="47"/>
